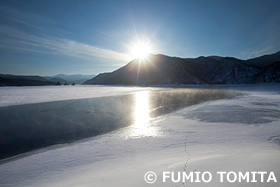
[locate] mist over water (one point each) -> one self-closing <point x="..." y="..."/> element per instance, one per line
<point x="27" y="127"/>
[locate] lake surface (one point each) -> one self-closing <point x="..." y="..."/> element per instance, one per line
<point x="27" y="127"/>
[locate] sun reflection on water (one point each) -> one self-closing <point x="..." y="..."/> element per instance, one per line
<point x="142" y="109"/>
<point x="142" y="121"/>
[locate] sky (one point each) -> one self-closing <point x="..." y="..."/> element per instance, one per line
<point x="90" y="37"/>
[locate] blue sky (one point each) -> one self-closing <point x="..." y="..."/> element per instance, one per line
<point x="89" y="37"/>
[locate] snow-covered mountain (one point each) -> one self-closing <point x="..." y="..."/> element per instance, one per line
<point x="161" y="69"/>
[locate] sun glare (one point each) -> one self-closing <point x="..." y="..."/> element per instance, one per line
<point x="141" y="50"/>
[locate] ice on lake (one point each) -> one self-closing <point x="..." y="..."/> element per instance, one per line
<point x="248" y="143"/>
<point x="32" y="126"/>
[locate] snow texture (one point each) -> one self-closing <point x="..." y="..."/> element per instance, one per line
<point x="30" y="94"/>
<point x="240" y="134"/>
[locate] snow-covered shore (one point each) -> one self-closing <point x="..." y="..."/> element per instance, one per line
<point x="39" y="94"/>
<point x="240" y="134"/>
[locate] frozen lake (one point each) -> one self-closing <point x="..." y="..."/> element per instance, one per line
<point x="237" y="134"/>
<point x="32" y="126"/>
<point x="38" y="94"/>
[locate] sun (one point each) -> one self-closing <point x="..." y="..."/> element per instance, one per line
<point x="141" y="50"/>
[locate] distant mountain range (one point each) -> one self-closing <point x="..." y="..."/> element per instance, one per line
<point x="21" y="80"/>
<point x="161" y="69"/>
<point x="77" y="79"/>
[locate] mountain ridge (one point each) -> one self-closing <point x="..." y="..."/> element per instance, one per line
<point x="22" y="80"/>
<point x="162" y="69"/>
